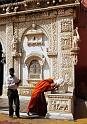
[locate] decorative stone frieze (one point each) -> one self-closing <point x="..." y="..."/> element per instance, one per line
<point x="60" y="103"/>
<point x="31" y="5"/>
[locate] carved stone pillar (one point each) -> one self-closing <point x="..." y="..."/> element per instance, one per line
<point x="60" y="103"/>
<point x="9" y="37"/>
<point x="16" y="53"/>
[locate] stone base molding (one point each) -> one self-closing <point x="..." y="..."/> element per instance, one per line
<point x="60" y="106"/>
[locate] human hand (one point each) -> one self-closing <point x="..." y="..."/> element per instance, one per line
<point x="59" y="81"/>
<point x="19" y="81"/>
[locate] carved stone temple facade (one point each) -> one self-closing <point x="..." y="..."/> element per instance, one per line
<point x="39" y="40"/>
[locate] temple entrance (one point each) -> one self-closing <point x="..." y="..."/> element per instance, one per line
<point x="1" y="70"/>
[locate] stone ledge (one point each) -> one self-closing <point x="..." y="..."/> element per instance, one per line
<point x="61" y="116"/>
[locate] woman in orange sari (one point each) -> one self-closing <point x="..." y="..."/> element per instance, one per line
<point x="37" y="104"/>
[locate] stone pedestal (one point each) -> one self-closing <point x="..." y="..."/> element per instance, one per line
<point x="60" y="106"/>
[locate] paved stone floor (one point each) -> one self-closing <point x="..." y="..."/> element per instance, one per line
<point x="23" y="103"/>
<point x="4" y="118"/>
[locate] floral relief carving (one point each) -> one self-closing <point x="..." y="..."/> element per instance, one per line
<point x="3" y="34"/>
<point x="54" y="67"/>
<point x="66" y="61"/>
<point x="9" y="36"/>
<point x="3" y="20"/>
<point x="15" y="32"/>
<point x="54" y="37"/>
<point x="46" y="25"/>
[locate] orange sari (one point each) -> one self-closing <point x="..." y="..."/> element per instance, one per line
<point x="37" y="102"/>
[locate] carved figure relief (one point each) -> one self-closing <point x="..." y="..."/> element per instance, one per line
<point x="60" y="105"/>
<point x="66" y="42"/>
<point x="15" y="46"/>
<point x="76" y="38"/>
<point x="66" y="25"/>
<point x="67" y="74"/>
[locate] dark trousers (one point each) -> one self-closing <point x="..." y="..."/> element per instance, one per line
<point x="13" y="97"/>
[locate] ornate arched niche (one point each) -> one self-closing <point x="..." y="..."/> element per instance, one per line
<point x="35" y="59"/>
<point x="34" y="63"/>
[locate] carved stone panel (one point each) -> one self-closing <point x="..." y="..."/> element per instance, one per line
<point x="54" y="72"/>
<point x="66" y="25"/>
<point x="66" y="60"/>
<point x="53" y="40"/>
<point x="60" y="103"/>
<point x="66" y="41"/>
